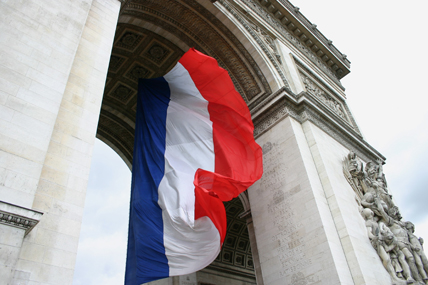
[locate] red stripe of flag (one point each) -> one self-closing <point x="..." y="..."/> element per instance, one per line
<point x="238" y="158"/>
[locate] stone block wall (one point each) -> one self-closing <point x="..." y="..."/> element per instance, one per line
<point x="56" y="55"/>
<point x="38" y="45"/>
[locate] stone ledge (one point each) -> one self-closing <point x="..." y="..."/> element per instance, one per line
<point x="303" y="107"/>
<point x="19" y="217"/>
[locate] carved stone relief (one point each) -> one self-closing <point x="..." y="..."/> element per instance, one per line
<point x="275" y="22"/>
<point x="18" y="221"/>
<point x="328" y="100"/>
<point x="263" y="39"/>
<point x="195" y="26"/>
<point x="400" y="251"/>
<point x="285" y="104"/>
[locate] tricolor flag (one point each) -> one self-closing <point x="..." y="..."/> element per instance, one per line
<point x="194" y="148"/>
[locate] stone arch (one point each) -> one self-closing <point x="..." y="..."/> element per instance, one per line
<point x="150" y="38"/>
<point x="235" y="259"/>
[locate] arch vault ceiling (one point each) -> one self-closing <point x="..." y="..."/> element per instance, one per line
<point x="151" y="36"/>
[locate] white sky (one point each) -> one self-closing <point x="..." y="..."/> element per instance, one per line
<point x="386" y="42"/>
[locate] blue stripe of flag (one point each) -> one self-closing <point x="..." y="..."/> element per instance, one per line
<point x="146" y="260"/>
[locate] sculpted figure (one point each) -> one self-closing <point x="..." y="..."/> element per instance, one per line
<point x="374" y="202"/>
<point x="400" y="250"/>
<point x="382" y="243"/>
<point x="418" y="252"/>
<point x="355" y="166"/>
<point x="372" y="226"/>
<point x="376" y="182"/>
<point x="400" y="232"/>
<point x="354" y="172"/>
<point x="389" y="245"/>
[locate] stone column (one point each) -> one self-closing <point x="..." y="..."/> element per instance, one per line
<point x="48" y="252"/>
<point x="255" y="252"/>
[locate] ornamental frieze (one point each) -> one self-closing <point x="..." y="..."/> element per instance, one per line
<point x="328" y="100"/>
<point x="399" y="249"/>
<point x="265" y="42"/>
<point x="17" y="221"/>
<point x="275" y="22"/>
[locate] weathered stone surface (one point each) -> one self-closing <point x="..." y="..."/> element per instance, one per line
<point x="62" y="62"/>
<point x="400" y="251"/>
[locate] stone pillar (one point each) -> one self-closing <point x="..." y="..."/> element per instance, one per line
<point x="362" y="259"/>
<point x="38" y="40"/>
<point x="306" y="218"/>
<point x="61" y="171"/>
<point x="255" y="252"/>
<point x="15" y="223"/>
<point x="296" y="235"/>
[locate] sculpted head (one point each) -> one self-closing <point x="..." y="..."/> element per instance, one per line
<point x="388" y="235"/>
<point x="367" y="213"/>
<point x="371" y="169"/>
<point x="394" y="213"/>
<point x="354" y="166"/>
<point x="410" y="226"/>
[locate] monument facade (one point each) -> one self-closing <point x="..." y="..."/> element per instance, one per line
<point x="69" y="74"/>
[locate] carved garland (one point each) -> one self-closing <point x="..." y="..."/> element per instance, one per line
<point x="399" y="249"/>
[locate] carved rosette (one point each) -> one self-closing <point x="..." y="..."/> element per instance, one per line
<point x="399" y="249"/>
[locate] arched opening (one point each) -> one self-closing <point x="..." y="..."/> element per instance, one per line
<point x="150" y="38"/>
<point x="235" y="261"/>
<point x="102" y="245"/>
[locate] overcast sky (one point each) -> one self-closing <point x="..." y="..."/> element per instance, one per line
<point x="386" y="42"/>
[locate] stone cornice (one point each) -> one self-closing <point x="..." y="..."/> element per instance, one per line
<point x="313" y="29"/>
<point x="259" y="36"/>
<point x="19" y="217"/>
<point x="305" y="107"/>
<point x="289" y="22"/>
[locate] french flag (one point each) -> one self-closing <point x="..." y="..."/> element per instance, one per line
<point x="194" y="148"/>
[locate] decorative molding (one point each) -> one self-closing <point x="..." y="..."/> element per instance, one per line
<point x="19" y="217"/>
<point x="327" y="99"/>
<point x="295" y="11"/>
<point x="304" y="108"/>
<point x="263" y="39"/>
<point x="327" y="91"/>
<point x="324" y="63"/>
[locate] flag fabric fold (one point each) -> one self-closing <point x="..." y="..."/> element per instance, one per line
<point x="194" y="148"/>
